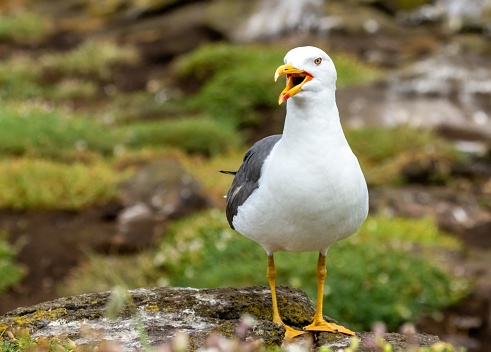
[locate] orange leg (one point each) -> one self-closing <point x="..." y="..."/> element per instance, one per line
<point x="319" y="324"/>
<point x="271" y="275"/>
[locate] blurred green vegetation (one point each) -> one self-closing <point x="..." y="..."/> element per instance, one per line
<point x="43" y="184"/>
<point x="95" y="59"/>
<point x="23" y="27"/>
<point x="69" y="134"/>
<point x="19" y="339"/>
<point x="57" y="105"/>
<point x="388" y="270"/>
<point x="192" y="135"/>
<point x="53" y="133"/>
<point x="385" y="152"/>
<point x="391" y="270"/>
<point x="238" y="80"/>
<point x="11" y="271"/>
<point x="50" y="75"/>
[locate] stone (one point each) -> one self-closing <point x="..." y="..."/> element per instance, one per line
<point x="274" y="18"/>
<point x="461" y="212"/>
<point x="159" y="191"/>
<point x="449" y="92"/>
<point x="165" y="312"/>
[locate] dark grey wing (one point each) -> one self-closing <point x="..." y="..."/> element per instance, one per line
<point x="247" y="177"/>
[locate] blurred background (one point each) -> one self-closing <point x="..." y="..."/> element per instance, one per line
<point x="116" y="116"/>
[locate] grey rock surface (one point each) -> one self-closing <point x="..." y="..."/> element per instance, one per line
<point x="163" y="312"/>
<point x="159" y="191"/>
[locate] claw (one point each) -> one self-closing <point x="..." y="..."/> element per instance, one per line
<point x="324" y="326"/>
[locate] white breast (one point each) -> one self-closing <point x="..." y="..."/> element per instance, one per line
<point x="307" y="199"/>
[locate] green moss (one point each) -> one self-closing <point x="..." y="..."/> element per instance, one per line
<point x="226" y="329"/>
<point x="292" y="313"/>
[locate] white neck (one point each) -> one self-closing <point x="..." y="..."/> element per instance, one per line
<point x="312" y="121"/>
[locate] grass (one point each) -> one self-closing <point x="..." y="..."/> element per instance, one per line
<point x="40" y="130"/>
<point x="384" y="154"/>
<point x="43" y="184"/>
<point x="378" y="269"/>
<point x="19" y="78"/>
<point x="206" y="171"/>
<point x="23" y="27"/>
<point x="12" y="272"/>
<point x="72" y="89"/>
<point x="237" y="89"/>
<point x="238" y="80"/>
<point x="93" y="58"/>
<point x="390" y="270"/>
<point x="192" y="135"/>
<point x="77" y="73"/>
<point x="210" y="60"/>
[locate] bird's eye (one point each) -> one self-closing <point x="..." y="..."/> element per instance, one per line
<point x="318" y="61"/>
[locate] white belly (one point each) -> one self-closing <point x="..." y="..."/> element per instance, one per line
<point x="305" y="205"/>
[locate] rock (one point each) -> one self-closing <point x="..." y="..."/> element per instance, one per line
<point x="274" y="18"/>
<point x="230" y="17"/>
<point x="462" y="323"/>
<point x="449" y="92"/>
<point x="460" y="212"/>
<point x="454" y="15"/>
<point x="164" y="35"/>
<point x="159" y="191"/>
<point x="165" y="311"/>
<point x="161" y="30"/>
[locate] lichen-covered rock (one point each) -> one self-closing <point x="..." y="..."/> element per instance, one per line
<point x="162" y="312"/>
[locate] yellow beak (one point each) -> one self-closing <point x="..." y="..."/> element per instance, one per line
<point x="294" y="80"/>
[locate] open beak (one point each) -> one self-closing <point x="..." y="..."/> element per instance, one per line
<point x="295" y="79"/>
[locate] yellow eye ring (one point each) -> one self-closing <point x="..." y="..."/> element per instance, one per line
<point x="318" y="61"/>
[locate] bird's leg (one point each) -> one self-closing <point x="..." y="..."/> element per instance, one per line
<point x="271" y="275"/>
<point x="319" y="324"/>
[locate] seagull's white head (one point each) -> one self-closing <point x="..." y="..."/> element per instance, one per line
<point x="308" y="70"/>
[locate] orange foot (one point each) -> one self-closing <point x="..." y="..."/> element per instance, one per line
<point x="291" y="333"/>
<point x="324" y="326"/>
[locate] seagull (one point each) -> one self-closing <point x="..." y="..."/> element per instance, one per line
<point x="303" y="190"/>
